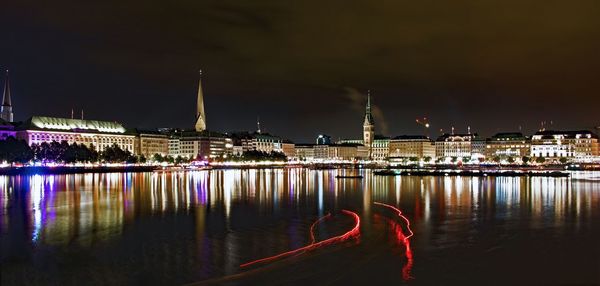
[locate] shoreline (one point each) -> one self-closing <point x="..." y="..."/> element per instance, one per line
<point x="379" y="169"/>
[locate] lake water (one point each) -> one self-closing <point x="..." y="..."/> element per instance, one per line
<point x="199" y="227"/>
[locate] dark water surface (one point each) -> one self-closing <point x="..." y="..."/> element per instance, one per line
<point x="181" y="228"/>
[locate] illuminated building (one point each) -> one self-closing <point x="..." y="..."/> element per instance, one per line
<point x="506" y="145"/>
<point x="200" y="145"/>
<point x="305" y="151"/>
<point x="380" y="148"/>
<point x="99" y="134"/>
<point x="454" y="145"/>
<point x="288" y="148"/>
<point x="6" y="112"/>
<point x="368" y="126"/>
<point x="148" y="143"/>
<point x="581" y="145"/>
<point x="200" y="115"/>
<point x="6" y="130"/>
<point x="411" y="146"/>
<point x="262" y="142"/>
<point x="341" y="152"/>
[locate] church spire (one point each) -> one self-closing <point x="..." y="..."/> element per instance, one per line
<point x="6" y="110"/>
<point x="368" y="116"/>
<point x="200" y="115"/>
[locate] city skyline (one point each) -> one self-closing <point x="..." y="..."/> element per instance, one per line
<point x="493" y="74"/>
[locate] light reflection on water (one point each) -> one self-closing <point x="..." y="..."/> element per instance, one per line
<point x="242" y="214"/>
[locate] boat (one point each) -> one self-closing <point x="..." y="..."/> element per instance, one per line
<point x="349" y="177"/>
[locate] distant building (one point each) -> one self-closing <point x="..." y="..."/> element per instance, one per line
<point x="288" y="148"/>
<point x="478" y="146"/>
<point x="380" y="148"/>
<point x="338" y="152"/>
<point x="148" y="143"/>
<point x="99" y="134"/>
<point x="581" y="145"/>
<point x="305" y="151"/>
<point x="454" y="145"/>
<point x="508" y="144"/>
<point x="200" y="145"/>
<point x="262" y="142"/>
<point x="411" y="146"/>
<point x="6" y="112"/>
<point x="323" y="139"/>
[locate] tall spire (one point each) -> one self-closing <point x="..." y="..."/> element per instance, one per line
<point x="200" y="115"/>
<point x="368" y="116"/>
<point x="6" y="110"/>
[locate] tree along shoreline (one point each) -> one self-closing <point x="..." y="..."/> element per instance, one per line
<point x="47" y="170"/>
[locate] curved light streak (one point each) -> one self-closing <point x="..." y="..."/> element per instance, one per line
<point x="399" y="213"/>
<point x="355" y="231"/>
<point x="403" y="239"/>
<point x="312" y="227"/>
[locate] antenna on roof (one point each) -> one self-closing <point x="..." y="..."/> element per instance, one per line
<point x="82" y="114"/>
<point x="72" y="113"/>
<point x="469" y="130"/>
<point x="452" y="130"/>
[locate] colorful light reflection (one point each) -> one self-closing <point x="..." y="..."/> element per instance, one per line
<point x="354" y="232"/>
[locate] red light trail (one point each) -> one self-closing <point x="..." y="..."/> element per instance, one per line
<point x="399" y="212"/>
<point x="402" y="239"/>
<point x="354" y="232"/>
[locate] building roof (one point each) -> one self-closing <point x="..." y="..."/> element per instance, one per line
<point x="72" y="125"/>
<point x="445" y="136"/>
<point x="411" y="137"/>
<point x="549" y="134"/>
<point x="204" y="133"/>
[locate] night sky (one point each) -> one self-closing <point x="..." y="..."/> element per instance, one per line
<point x="304" y="66"/>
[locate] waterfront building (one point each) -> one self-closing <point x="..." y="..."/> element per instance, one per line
<point x="201" y="145"/>
<point x="478" y="147"/>
<point x="580" y="145"/>
<point x="506" y="145"/>
<point x="288" y="148"/>
<point x="99" y="134"/>
<point x="262" y="142"/>
<point x="338" y="152"/>
<point x="174" y="146"/>
<point x="6" y="112"/>
<point x="6" y="130"/>
<point x="148" y="143"/>
<point x="411" y="146"/>
<point x="304" y="151"/>
<point x="323" y="139"/>
<point x="380" y="150"/>
<point x="368" y="126"/>
<point x="454" y="145"/>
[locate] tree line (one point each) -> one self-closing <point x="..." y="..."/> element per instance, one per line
<point x="13" y="150"/>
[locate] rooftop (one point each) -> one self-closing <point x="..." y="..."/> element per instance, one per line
<point x="72" y="125"/>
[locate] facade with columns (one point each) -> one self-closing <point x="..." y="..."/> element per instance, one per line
<point x="92" y="133"/>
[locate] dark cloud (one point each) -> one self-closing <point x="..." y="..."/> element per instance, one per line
<point x="494" y="65"/>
